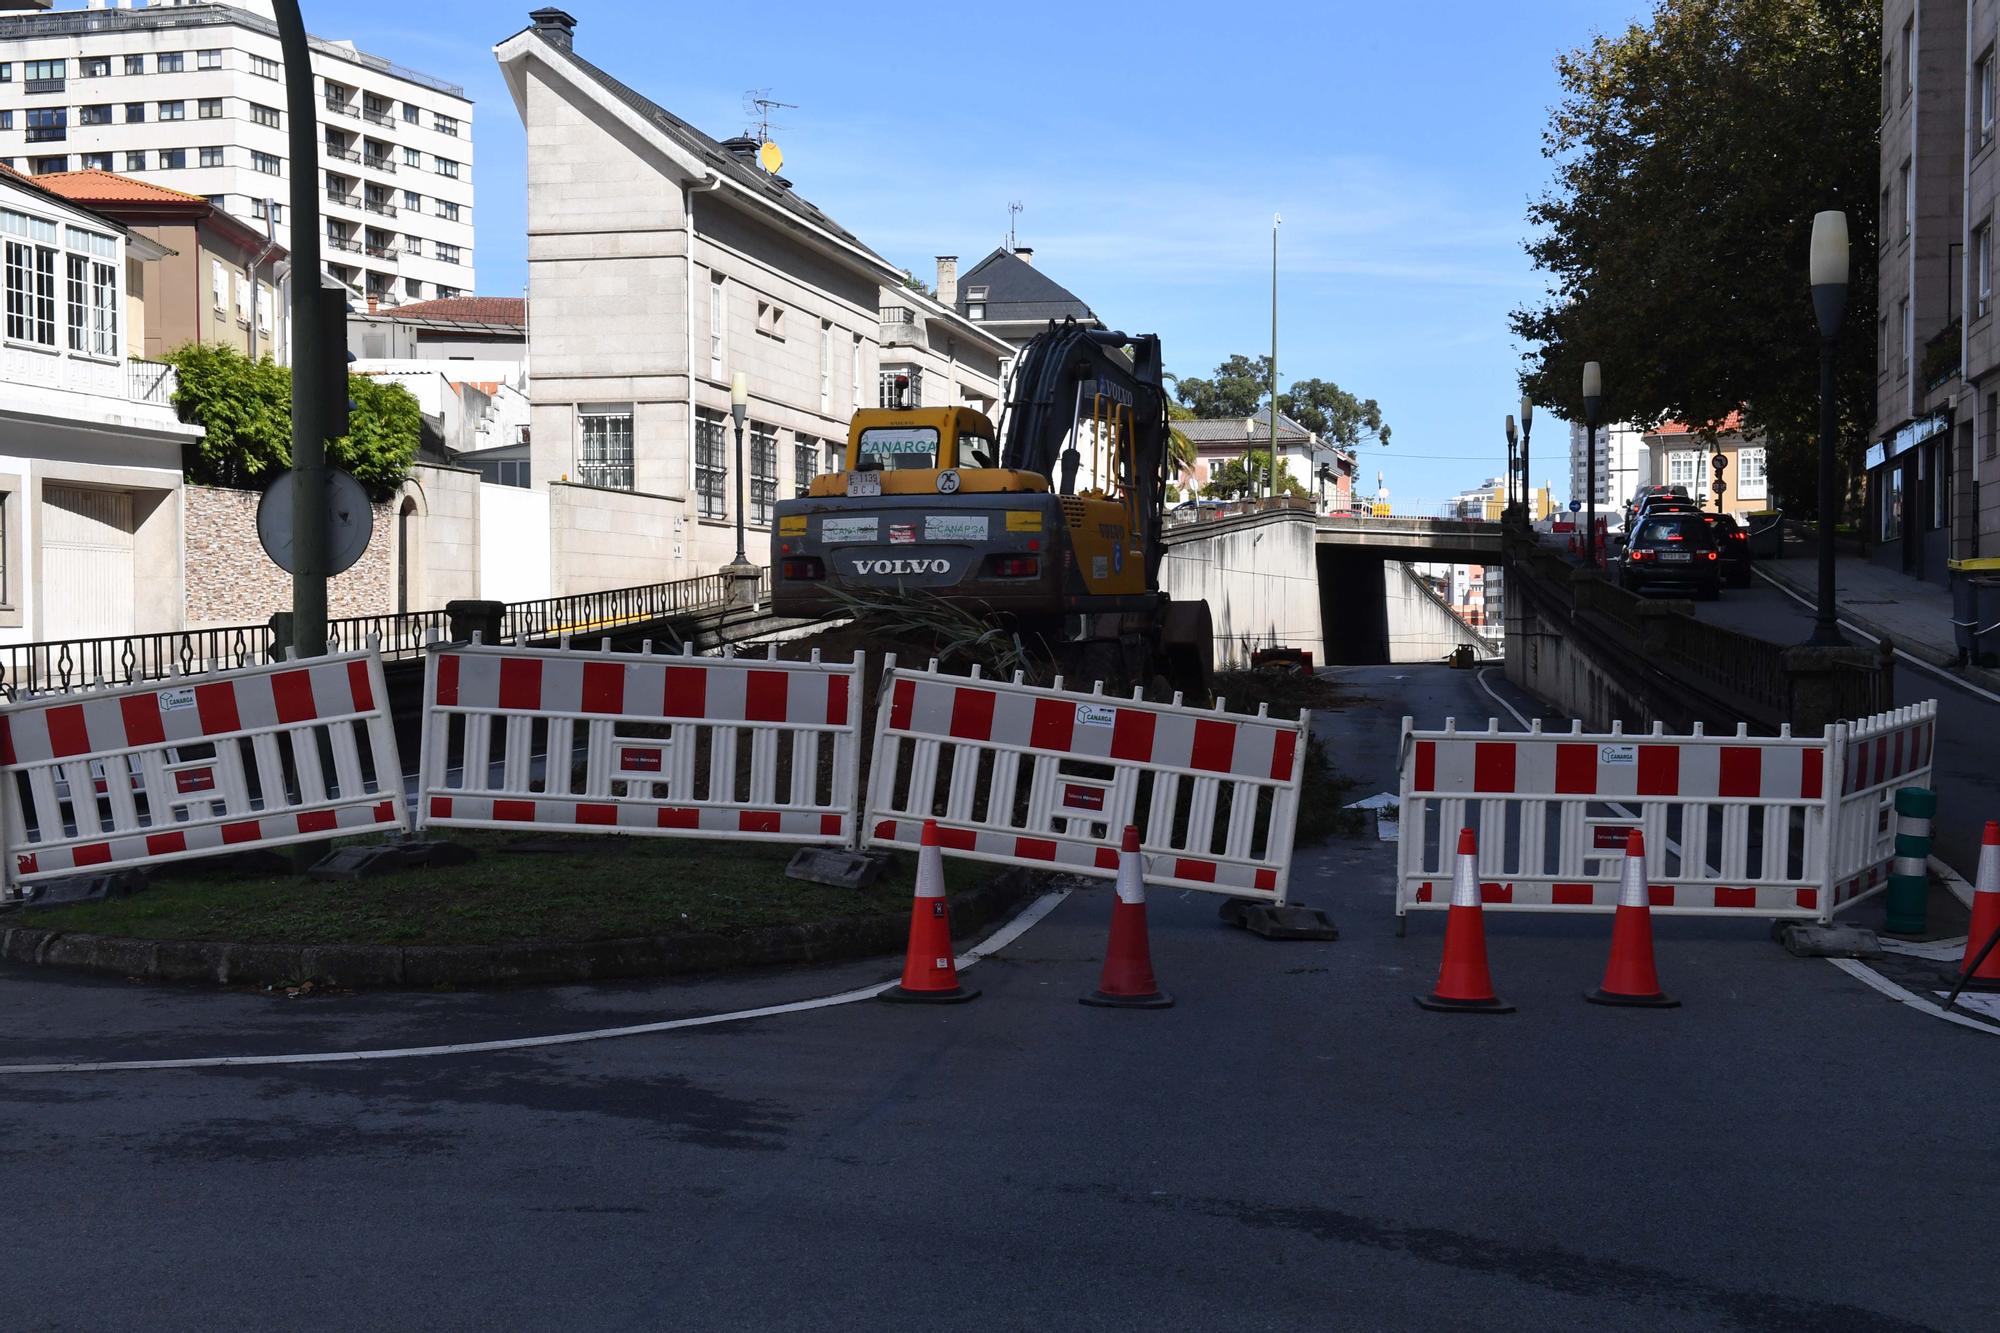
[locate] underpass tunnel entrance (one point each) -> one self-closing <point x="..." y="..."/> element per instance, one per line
<point x="1379" y="609"/>
<point x="1353" y="610"/>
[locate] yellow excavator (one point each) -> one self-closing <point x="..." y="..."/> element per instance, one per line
<point x="1051" y="522"/>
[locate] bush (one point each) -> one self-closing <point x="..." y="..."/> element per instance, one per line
<point x="246" y="408"/>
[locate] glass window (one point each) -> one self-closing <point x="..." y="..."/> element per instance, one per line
<point x="825" y="365"/>
<point x="100" y="114"/>
<point x="413" y="201"/>
<point x="6" y="71"/>
<point x="1992" y="425"/>
<point x="94" y="67"/>
<point x="218" y="285"/>
<point x="45" y="166"/>
<point x="1892" y="501"/>
<point x="1939" y="460"/>
<point x="976" y="451"/>
<point x="711" y="465"/>
<point x="607" y="449"/>
<point x="447" y="253"/>
<point x="173" y="111"/>
<point x="1751" y="483"/>
<point x="259" y="206"/>
<point x="893" y="448"/>
<point x="79" y="302"/>
<point x="447" y="167"/>
<point x="1909" y="201"/>
<point x="717" y="320"/>
<point x="805" y="463"/>
<point x="834" y="452"/>
<point x="173" y="158"/>
<point x="413" y="245"/>
<point x="410" y="113"/>
<point x="266" y="116"/>
<point x="447" y="210"/>
<point x="763" y="472"/>
<point x="135" y="161"/>
<point x="209" y="108"/>
<point x="31" y="293"/>
<point x="1982" y="259"/>
<point x="44" y="71"/>
<point x="135" y="113"/>
<point x="854" y="372"/>
<point x="6" y="120"/>
<point x="97" y="161"/>
<point x="900" y="386"/>
<point x="211" y="157"/>
<point x="445" y="125"/>
<point x="412" y="157"/>
<point x="135" y="64"/>
<point x="1684" y="467"/>
<point x="264" y="67"/>
<point x="172" y="62"/>
<point x="208" y="59"/>
<point x="268" y="163"/>
<point x="1982" y="93"/>
<point x="48" y="124"/>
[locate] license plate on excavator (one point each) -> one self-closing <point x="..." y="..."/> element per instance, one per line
<point x="864" y="483"/>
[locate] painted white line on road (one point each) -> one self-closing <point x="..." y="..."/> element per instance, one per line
<point x="1502" y="702"/>
<point x="992" y="944"/>
<point x="1934" y="669"/>
<point x="1875" y="980"/>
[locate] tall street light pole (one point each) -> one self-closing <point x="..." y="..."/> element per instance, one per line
<point x="739" y="407"/>
<point x="312" y="354"/>
<point x="1271" y="485"/>
<point x="1511" y="441"/>
<point x="1593" y="399"/>
<point x="1829" y="269"/>
<point x="1527" y="425"/>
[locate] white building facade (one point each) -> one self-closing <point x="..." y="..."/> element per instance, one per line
<point x="191" y="95"/>
<point x="1623" y="465"/>
<point x="90" y="444"/>
<point x="661" y="264"/>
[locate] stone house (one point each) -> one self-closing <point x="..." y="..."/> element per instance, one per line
<point x="662" y="263"/>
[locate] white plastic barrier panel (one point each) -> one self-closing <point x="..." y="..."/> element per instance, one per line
<point x="127" y="775"/>
<point x="1877" y="756"/>
<point x="1026" y="776"/>
<point x="1734" y="825"/>
<point x="713" y="747"/>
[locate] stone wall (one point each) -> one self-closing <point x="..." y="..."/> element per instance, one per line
<point x="230" y="581"/>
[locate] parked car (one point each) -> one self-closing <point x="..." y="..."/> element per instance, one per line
<point x="1732" y="541"/>
<point x="1646" y="494"/>
<point x="1674" y="550"/>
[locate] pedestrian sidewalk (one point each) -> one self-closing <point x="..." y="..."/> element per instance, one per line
<point x="1916" y="615"/>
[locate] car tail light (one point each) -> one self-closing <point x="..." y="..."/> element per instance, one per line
<point x="1642" y="554"/>
<point x="1015" y="566"/>
<point x="1709" y="554"/>
<point x="805" y="568"/>
<point x="1739" y="536"/>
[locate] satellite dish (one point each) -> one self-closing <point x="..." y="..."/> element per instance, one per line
<point x="350" y="520"/>
<point x="771" y="156"/>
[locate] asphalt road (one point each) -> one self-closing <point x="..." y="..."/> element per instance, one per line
<point x="1294" y="1145"/>
<point x="1964" y="773"/>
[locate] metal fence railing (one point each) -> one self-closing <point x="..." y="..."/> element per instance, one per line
<point x="61" y="665"/>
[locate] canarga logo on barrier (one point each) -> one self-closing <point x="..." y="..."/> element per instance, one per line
<point x="932" y="566"/>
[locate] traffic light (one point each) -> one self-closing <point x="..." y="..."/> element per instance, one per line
<point x="333" y="310"/>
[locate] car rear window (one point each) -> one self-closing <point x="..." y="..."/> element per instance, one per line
<point x="1665" y="529"/>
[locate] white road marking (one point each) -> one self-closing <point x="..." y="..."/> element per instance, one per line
<point x="992" y="944"/>
<point x="1502" y="702"/>
<point x="1935" y="670"/>
<point x="1869" y="977"/>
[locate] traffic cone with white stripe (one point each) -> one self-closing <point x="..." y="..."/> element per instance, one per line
<point x="1127" y="980"/>
<point x="930" y="967"/>
<point x="1629" y="977"/>
<point x="1984" y="974"/>
<point x="1464" y="986"/>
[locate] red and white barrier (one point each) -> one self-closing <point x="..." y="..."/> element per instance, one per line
<point x="640" y="743"/>
<point x="1046" y="778"/>
<point x="1764" y="826"/>
<point x="128" y="775"/>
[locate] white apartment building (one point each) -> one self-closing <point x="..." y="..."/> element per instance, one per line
<point x="1623" y="465"/>
<point x="661" y="264"/>
<point x="190" y="95"/>
<point x="90" y="444"/>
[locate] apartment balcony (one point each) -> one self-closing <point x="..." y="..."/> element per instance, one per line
<point x="377" y="117"/>
<point x="900" y="327"/>
<point x="381" y="206"/>
<point x="343" y="199"/>
<point x="135" y="398"/>
<point x="380" y="251"/>
<point x="344" y="154"/>
<point x="346" y="243"/>
<point x="383" y="164"/>
<point x="339" y="107"/>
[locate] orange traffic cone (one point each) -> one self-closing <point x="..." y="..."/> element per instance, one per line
<point x="1127" y="981"/>
<point x="1464" y="986"/>
<point x="930" y="968"/>
<point x="1984" y="974"/>
<point x="1629" y="978"/>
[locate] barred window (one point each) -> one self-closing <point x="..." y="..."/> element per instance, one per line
<point x="711" y="466"/>
<point x="805" y="463"/>
<point x="607" y="449"/>
<point x="763" y="472"/>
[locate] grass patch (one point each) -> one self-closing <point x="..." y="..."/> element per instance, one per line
<point x="607" y="888"/>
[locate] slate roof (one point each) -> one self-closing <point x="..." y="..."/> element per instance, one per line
<point x="1229" y="430"/>
<point x="1017" y="291"/>
<point x="759" y="182"/>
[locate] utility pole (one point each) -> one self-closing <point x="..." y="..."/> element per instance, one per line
<point x="311" y="353"/>
<point x="1271" y="483"/>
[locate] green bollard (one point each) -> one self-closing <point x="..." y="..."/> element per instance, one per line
<point x="1909" y="891"/>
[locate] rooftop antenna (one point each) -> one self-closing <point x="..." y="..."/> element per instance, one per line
<point x="758" y="105"/>
<point x="1014" y="210"/>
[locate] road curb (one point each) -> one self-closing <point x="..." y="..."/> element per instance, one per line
<point x="528" y="962"/>
<point x="1937" y="657"/>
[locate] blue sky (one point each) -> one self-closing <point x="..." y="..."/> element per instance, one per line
<point x="1401" y="142"/>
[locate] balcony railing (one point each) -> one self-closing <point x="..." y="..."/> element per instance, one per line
<point x="897" y="314"/>
<point x="378" y="117"/>
<point x="382" y="206"/>
<point x="381" y="251"/>
<point x="44" y="85"/>
<point x="379" y="164"/>
<point x="339" y="107"/>
<point x="344" y="154"/>
<point x="151" y="382"/>
<point x="344" y="243"/>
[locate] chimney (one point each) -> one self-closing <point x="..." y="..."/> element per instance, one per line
<point x="743" y="148"/>
<point x="947" y="279"/>
<point x="556" y="27"/>
<point x="1026" y="254"/>
<point x="373" y="302"/>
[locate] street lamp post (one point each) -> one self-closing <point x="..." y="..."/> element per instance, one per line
<point x="739" y="407"/>
<point x="1271" y="484"/>
<point x="1249" y="470"/>
<point x="1511" y="440"/>
<point x="1829" y="267"/>
<point x="1527" y="426"/>
<point x="1593" y="399"/>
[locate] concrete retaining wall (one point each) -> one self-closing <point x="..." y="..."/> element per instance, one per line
<point x="1261" y="584"/>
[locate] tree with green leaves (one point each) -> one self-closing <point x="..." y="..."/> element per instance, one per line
<point x="246" y="408"/>
<point x="1241" y="386"/>
<point x="1690" y="155"/>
